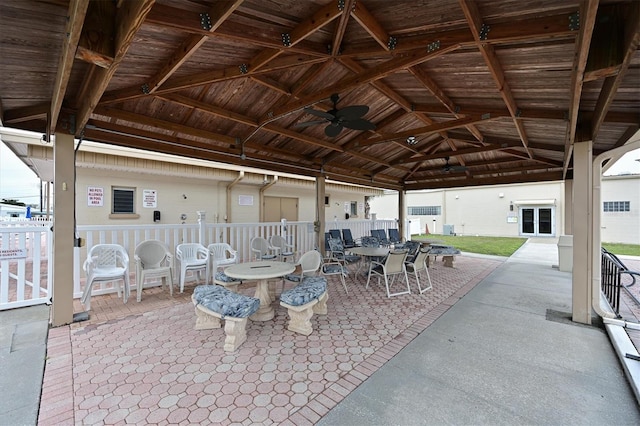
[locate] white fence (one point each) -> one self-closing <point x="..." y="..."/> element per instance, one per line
<point x="239" y="236"/>
<point x="25" y="266"/>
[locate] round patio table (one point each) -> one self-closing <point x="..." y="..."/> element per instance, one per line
<point x="261" y="272"/>
<point x="369" y="252"/>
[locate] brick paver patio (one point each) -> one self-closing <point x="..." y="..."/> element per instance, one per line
<point x="144" y="362"/>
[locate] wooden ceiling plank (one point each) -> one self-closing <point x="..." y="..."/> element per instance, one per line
<point x="129" y="18"/>
<point x="303" y="138"/>
<point x="144" y="120"/>
<point x="432" y="128"/>
<point x="371" y="25"/>
<point x="611" y="84"/>
<point x="368" y="76"/>
<point x="218" y="13"/>
<point x="474" y="20"/>
<point x="271" y="84"/>
<point x="29" y="113"/>
<point x="76" y="14"/>
<point x="319" y="19"/>
<point x="96" y="44"/>
<point x="588" y="13"/>
<point x="210" y="109"/>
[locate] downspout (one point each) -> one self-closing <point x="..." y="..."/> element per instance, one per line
<point x="608" y="317"/>
<point x="227" y="216"/>
<point x="262" y="191"/>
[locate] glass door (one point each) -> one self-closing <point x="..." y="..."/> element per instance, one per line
<point x="537" y="221"/>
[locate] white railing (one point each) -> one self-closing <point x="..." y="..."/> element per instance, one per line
<point x="25" y="269"/>
<point x="238" y="235"/>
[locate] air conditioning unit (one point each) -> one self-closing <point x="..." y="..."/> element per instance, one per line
<point x="448" y="230"/>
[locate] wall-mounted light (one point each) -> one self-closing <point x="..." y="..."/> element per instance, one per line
<point x="501" y="195"/>
<point x="184" y="196"/>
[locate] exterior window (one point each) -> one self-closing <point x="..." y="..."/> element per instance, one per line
<point x="326" y="201"/>
<point x="354" y="208"/>
<point x="123" y="200"/>
<point x="424" y="211"/>
<point x="616" y="206"/>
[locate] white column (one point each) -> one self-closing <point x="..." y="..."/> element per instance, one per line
<point x="581" y="220"/>
<point x="320" y="214"/>
<point x="63" y="230"/>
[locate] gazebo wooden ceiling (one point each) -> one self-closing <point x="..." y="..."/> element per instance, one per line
<point x="498" y="89"/>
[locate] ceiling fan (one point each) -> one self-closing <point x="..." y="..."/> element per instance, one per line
<point x="349" y="117"/>
<point x="451" y="167"/>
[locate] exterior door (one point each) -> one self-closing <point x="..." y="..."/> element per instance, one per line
<point x="537" y="221"/>
<point x="276" y="208"/>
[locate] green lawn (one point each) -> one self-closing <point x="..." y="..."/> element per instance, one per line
<point x="506" y="246"/>
<point x="626" y="249"/>
<point x="498" y="246"/>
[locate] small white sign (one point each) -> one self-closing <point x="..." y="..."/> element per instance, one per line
<point x="149" y="198"/>
<point x="95" y="196"/>
<point x="7" y="254"/>
<point x="347" y="207"/>
<point x="245" y="200"/>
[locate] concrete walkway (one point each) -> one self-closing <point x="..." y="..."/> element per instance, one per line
<point x="506" y="353"/>
<point x="23" y="344"/>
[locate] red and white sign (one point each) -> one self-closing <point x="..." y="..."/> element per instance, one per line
<point x="95" y="196"/>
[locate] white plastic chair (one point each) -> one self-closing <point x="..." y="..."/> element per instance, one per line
<point x="221" y="254"/>
<point x="285" y="250"/>
<point x="309" y="264"/>
<point x="153" y="260"/>
<point x="389" y="270"/>
<point x="106" y="263"/>
<point x="417" y="266"/>
<point x="262" y="250"/>
<point x="192" y="257"/>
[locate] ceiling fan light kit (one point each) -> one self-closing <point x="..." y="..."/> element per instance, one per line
<point x="337" y="119"/>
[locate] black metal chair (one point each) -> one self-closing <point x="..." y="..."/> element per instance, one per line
<point x="347" y="239"/>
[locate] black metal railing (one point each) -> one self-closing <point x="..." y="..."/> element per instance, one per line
<point x="615" y="276"/>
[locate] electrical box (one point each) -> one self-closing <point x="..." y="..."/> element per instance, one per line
<point x="156" y="215"/>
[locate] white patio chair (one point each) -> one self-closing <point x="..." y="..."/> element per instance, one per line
<point x="262" y="250"/>
<point x="192" y="257"/>
<point x="106" y="263"/>
<point x="418" y="266"/>
<point x="392" y="267"/>
<point x="221" y="254"/>
<point x="329" y="268"/>
<point x="153" y="260"/>
<point x="309" y="264"/>
<point x="285" y="250"/>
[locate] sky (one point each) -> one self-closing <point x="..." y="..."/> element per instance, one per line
<point x="18" y="182"/>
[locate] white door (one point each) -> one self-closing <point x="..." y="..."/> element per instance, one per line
<point x="537" y="221"/>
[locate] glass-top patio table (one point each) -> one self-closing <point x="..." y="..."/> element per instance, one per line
<point x="369" y="252"/>
<point x="261" y="272"/>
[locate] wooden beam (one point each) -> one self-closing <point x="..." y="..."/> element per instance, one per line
<point x="611" y="84"/>
<point x="588" y="13"/>
<point x="338" y="33"/>
<point x="371" y="26"/>
<point x="433" y="128"/>
<point x="32" y="112"/>
<point x="469" y="182"/>
<point x="96" y="44"/>
<point x="129" y="18"/>
<point x="368" y="76"/>
<point x="76" y="14"/>
<point x="209" y="109"/>
<point x="218" y="13"/>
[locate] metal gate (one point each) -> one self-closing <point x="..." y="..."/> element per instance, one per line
<point x="25" y="267"/>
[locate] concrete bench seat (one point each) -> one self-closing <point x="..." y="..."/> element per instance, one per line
<point x="447" y="253"/>
<point x="302" y="301"/>
<point x="214" y="303"/>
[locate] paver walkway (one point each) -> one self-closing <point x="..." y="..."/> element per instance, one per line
<point x="145" y="363"/>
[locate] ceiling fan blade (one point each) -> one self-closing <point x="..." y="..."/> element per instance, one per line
<point x="352" y="112"/>
<point x="359" y="124"/>
<point x="309" y="123"/>
<point x="333" y="130"/>
<point x="320" y="114"/>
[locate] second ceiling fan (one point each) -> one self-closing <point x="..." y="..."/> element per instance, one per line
<point x="337" y="119"/>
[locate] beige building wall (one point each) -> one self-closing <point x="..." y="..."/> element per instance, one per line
<point x="179" y="191"/>
<point x="621" y="227"/>
<point x="489" y="211"/>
